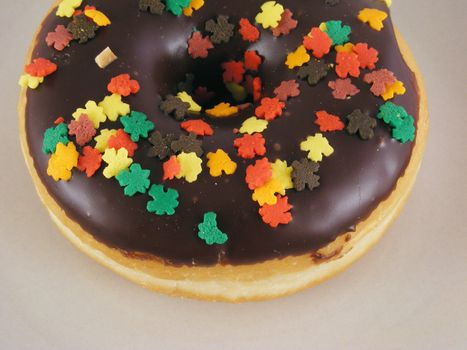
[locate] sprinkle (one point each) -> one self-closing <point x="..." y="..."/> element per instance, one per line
<point x="313" y="72"/>
<point x="222" y="110"/>
<point x="83" y="129"/>
<point x="303" y="174"/>
<point x="253" y="125"/>
<point x="406" y="131"/>
<point x="117" y="161"/>
<point x="29" y="81"/>
<point x="238" y="92"/>
<point x="270" y="108"/>
<point x="40" y="67"/>
<point x="195" y="5"/>
<point x="266" y="194"/>
<point x="347" y="64"/>
<point x="66" y="8"/>
<point x="318" y="41"/>
<point x="297" y="58"/>
<point x="82" y="29"/>
<point x="233" y="71"/>
<point x="161" y="145"/>
<point x="122" y="140"/>
<point x="380" y="80"/>
<point x="328" y="122"/>
<point x="198" y="127"/>
<point x="344" y="48"/>
<point x="103" y="138"/>
<point x="397" y="88"/>
<point x="164" y="202"/>
<point x="171" y="168"/>
<point x="287" y="89"/>
<point x="402" y="123"/>
<point x="343" y="88"/>
<point x="134" y="180"/>
<point x="221" y="29"/>
<point x="177" y="6"/>
<point x="60" y="38"/>
<point x="190" y="166"/>
<point x="90" y="161"/>
<point x="317" y="146"/>
<point x="286" y="24"/>
<point x="123" y="85"/>
<point x="361" y="123"/>
<point x="248" y="31"/>
<point x="174" y="106"/>
<point x="209" y="232"/>
<point x="276" y="214"/>
<point x="194" y="107"/>
<point x="63" y="161"/>
<point x="137" y="125"/>
<point x="114" y="107"/>
<point x="93" y="111"/>
<point x="338" y="33"/>
<point x="59" y="120"/>
<point x="105" y="58"/>
<point x="254" y="87"/>
<point x="373" y="17"/>
<point x="250" y="146"/>
<point x="252" y="60"/>
<point x="98" y="17"/>
<point x="155" y="7"/>
<point x="187" y="144"/>
<point x="53" y="136"/>
<point x="219" y="162"/>
<point x="367" y="57"/>
<point x="270" y="15"/>
<point x="259" y="174"/>
<point x="198" y="46"/>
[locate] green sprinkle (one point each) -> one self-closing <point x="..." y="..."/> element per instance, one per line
<point x="338" y="33"/>
<point x="137" y="125"/>
<point x="164" y="202"/>
<point x="54" y="136"/>
<point x="209" y="232"/>
<point x="402" y="123"/>
<point x="406" y="131"/>
<point x="177" y="6"/>
<point x="135" y="180"/>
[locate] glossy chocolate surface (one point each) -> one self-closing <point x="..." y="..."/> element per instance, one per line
<point x="354" y="180"/>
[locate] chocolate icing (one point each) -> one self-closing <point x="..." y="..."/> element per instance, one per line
<point x="354" y="180"/>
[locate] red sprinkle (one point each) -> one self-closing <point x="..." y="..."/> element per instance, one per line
<point x="257" y="175"/>
<point x="250" y="146"/>
<point x="328" y="122"/>
<point x="347" y="63"/>
<point x="198" y="127"/>
<point x="318" y="41"/>
<point x="59" y="120"/>
<point x="270" y="108"/>
<point x="171" y="168"/>
<point x="198" y="45"/>
<point x="233" y="71"/>
<point x="90" y="161"/>
<point x="276" y="214"/>
<point x="366" y="56"/>
<point x="123" y="85"/>
<point x="248" y="31"/>
<point x="40" y="67"/>
<point x="287" y="89"/>
<point x="252" y="60"/>
<point x="122" y="140"/>
<point x="343" y="88"/>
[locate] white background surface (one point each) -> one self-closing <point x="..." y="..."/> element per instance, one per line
<point x="409" y="292"/>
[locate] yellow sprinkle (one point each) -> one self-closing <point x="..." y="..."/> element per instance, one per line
<point x="270" y="15"/>
<point x="98" y="17"/>
<point x="190" y="166"/>
<point x="397" y="88"/>
<point x="220" y="162"/>
<point x="297" y="58"/>
<point x="103" y="138"/>
<point x="317" y="146"/>
<point x="388" y="2"/>
<point x="114" y="107"/>
<point x="266" y="194"/>
<point x="66" y="8"/>
<point x="345" y="48"/>
<point x="282" y="173"/>
<point x="117" y="161"/>
<point x="93" y="111"/>
<point x="63" y="161"/>
<point x="373" y="17"/>
<point x="194" y="107"/>
<point x="29" y="81"/>
<point x="238" y="92"/>
<point x="252" y="125"/>
<point x="222" y="110"/>
<point x="323" y="26"/>
<point x="195" y="5"/>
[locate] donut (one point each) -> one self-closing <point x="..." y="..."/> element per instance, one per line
<point x="222" y="150"/>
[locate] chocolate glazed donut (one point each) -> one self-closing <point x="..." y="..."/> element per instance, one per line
<point x="354" y="180"/>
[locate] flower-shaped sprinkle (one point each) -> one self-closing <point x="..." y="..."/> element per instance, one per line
<point x="194" y="107"/>
<point x="122" y="140"/>
<point x="199" y="46"/>
<point x="53" y="136"/>
<point x="253" y="125"/>
<point x="286" y="24"/>
<point x="362" y="124"/>
<point x="250" y="146"/>
<point x="222" y="110"/>
<point x="59" y="38"/>
<point x="266" y="194"/>
<point x="161" y="145"/>
<point x="270" y="15"/>
<point x="198" y="127"/>
<point x="177" y="6"/>
<point x="155" y="7"/>
<point x="190" y="166"/>
<point x="317" y="146"/>
<point x="187" y="144"/>
<point x="137" y="125"/>
<point x="338" y="33"/>
<point x="40" y="67"/>
<point x="83" y="129"/>
<point x="195" y="5"/>
<point x="221" y="29"/>
<point x="318" y="42"/>
<point x="282" y="173"/>
<point x="252" y="60"/>
<point x="134" y="180"/>
<point x="82" y="29"/>
<point x="313" y="72"/>
<point x="90" y="161"/>
<point x="117" y="161"/>
<point x="367" y="57"/>
<point x="123" y="85"/>
<point x="270" y="108"/>
<point x="397" y="88"/>
<point x="233" y="71"/>
<point x="277" y="214"/>
<point x="259" y="174"/>
<point x="248" y="31"/>
<point x="164" y="202"/>
<point x="29" y="81"/>
<point x="63" y="161"/>
<point x="328" y="122"/>
<point x="380" y="80"/>
<point x="174" y="106"/>
<point x="66" y="8"/>
<point x="171" y="168"/>
<point x="347" y="64"/>
<point x="93" y="111"/>
<point x="103" y="138"/>
<point x="373" y="17"/>
<point x="219" y="162"/>
<point x="114" y="107"/>
<point x="343" y="88"/>
<point x="303" y="174"/>
<point x="297" y="58"/>
<point x="287" y="89"/>
<point x="209" y="232"/>
<point x="403" y="128"/>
